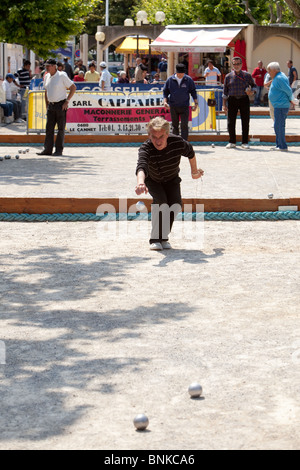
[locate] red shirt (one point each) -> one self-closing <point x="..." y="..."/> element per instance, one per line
<point x="77" y="78"/>
<point x="258" y="75"/>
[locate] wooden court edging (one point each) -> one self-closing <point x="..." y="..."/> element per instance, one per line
<point x="15" y="139"/>
<point x="28" y="205"/>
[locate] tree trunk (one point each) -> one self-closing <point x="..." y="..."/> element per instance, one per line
<point x="294" y="6"/>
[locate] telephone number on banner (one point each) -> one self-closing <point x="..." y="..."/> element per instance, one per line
<point x="87" y="128"/>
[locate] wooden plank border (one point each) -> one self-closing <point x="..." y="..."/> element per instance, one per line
<point x="27" y="205"/>
<point x="126" y="139"/>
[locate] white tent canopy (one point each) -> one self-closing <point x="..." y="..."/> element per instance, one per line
<point x="196" y="38"/>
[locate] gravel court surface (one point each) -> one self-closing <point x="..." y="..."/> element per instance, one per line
<point x="110" y="172"/>
<point x="99" y="329"/>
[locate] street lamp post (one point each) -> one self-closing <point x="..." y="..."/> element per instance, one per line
<point x="106" y="24"/>
<point x="142" y="18"/>
<point x="100" y="39"/>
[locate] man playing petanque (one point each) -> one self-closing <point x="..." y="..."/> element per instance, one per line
<point x="158" y="172"/>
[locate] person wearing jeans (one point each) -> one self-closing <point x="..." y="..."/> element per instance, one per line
<point x="258" y="74"/>
<point x="10" y="99"/>
<point x="280" y="96"/>
<point x="280" y="115"/>
<point x="8" y="110"/>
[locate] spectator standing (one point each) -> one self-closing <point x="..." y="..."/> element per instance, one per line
<point x="92" y="75"/>
<point x="68" y="68"/>
<point x="56" y="85"/>
<point x="212" y="74"/>
<point x="281" y="96"/>
<point x="80" y="65"/>
<point x="61" y="67"/>
<point x="259" y="74"/>
<point x="238" y="86"/>
<point x="162" y="69"/>
<point x="24" y="76"/>
<point x="145" y="75"/>
<point x="106" y="78"/>
<point x="267" y="84"/>
<point x="138" y="73"/>
<point x="177" y="91"/>
<point x="293" y="77"/>
<point x="11" y="97"/>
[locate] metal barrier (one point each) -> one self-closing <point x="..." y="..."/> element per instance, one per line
<point x="204" y="120"/>
<point x="36" y="112"/>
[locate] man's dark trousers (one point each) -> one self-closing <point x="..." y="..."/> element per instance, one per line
<point x="183" y="113"/>
<point x="55" y="115"/>
<point x="166" y="194"/>
<point x="234" y="105"/>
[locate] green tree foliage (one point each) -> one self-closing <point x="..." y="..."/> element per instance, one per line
<point x="119" y="10"/>
<point x="41" y="25"/>
<point x="218" y="11"/>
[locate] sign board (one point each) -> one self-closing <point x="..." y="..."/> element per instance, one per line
<point x="117" y="113"/>
<point x="96" y="113"/>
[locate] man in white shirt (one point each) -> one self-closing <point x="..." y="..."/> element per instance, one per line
<point x="56" y="84"/>
<point x="212" y="74"/>
<point x="11" y="97"/>
<point x="106" y="78"/>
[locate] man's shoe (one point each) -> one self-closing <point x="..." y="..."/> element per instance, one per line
<point x="277" y="149"/>
<point x="44" y="153"/>
<point x="245" y="146"/>
<point x="57" y="154"/>
<point x="156" y="246"/>
<point x="166" y="245"/>
<point x="230" y="146"/>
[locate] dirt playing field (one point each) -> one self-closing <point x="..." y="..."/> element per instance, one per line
<point x="98" y="330"/>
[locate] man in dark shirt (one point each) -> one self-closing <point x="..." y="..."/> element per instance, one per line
<point x="293" y="74"/>
<point x="293" y="77"/>
<point x="68" y="68"/>
<point x="158" y="172"/>
<point x="24" y="76"/>
<point x="238" y="86"/>
<point x="177" y="91"/>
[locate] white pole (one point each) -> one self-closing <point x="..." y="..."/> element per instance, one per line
<point x="106" y="24"/>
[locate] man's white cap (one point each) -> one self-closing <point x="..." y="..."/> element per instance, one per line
<point x="103" y="64"/>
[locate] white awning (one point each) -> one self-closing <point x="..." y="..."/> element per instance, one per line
<point x="196" y="38"/>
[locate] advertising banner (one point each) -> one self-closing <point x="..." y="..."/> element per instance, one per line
<point x="117" y="113"/>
